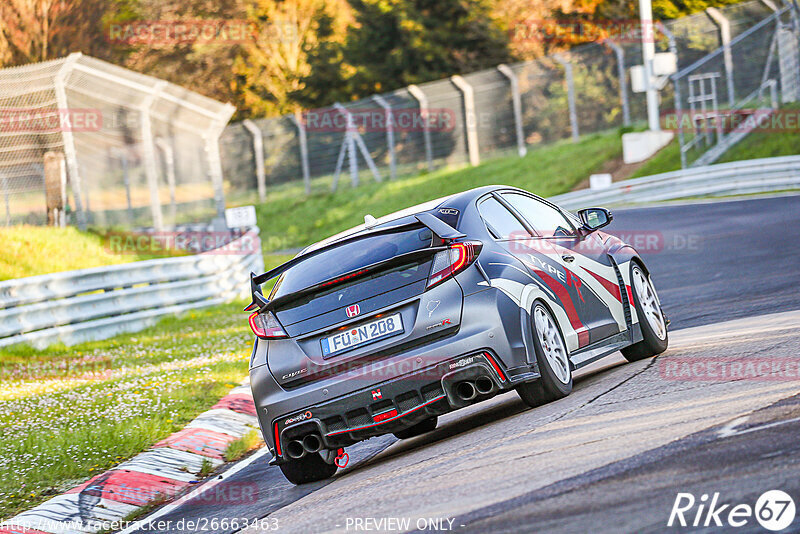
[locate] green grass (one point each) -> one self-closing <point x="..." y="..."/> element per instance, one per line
<point x="67" y="414"/>
<point x="243" y="445"/>
<point x="290" y="221"/>
<point x="756" y="145"/>
<point x="34" y="250"/>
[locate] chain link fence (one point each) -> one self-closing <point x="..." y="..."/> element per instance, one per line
<point x="88" y="143"/>
<point x="488" y="113"/>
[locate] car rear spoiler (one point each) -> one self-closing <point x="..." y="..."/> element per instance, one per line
<point x="440" y="228"/>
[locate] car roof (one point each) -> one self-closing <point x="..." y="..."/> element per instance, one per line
<point x="458" y="200"/>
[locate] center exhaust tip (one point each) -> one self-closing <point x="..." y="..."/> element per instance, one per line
<point x="484" y="385"/>
<point x="312" y="443"/>
<point x="295" y="449"/>
<point x="466" y="391"/>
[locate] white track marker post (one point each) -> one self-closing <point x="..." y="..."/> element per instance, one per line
<point x="389" y="134"/>
<point x="623" y="80"/>
<point x="302" y="140"/>
<point x="258" y="157"/>
<point x="724" y="26"/>
<point x="516" y="103"/>
<point x="422" y="100"/>
<point x="59" y="83"/>
<point x="470" y="119"/>
<point x="169" y="168"/>
<point x="149" y="155"/>
<point x="573" y="114"/>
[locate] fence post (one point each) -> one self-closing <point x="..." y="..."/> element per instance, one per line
<point x="258" y="157"/>
<point x="149" y="157"/>
<point x="516" y="103"/>
<point x="68" y="140"/>
<point x="126" y="180"/>
<point x="6" y="196"/>
<point x="470" y="118"/>
<point x="297" y="118"/>
<point x="169" y="165"/>
<point x="724" y="26"/>
<point x="422" y="100"/>
<point x="211" y="146"/>
<point x="623" y="81"/>
<point x="389" y="134"/>
<point x="573" y="114"/>
<point x="55" y="187"/>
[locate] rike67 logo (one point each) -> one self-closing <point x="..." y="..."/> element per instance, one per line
<point x="774" y="510"/>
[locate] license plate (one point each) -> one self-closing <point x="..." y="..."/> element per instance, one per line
<point x="358" y="335"/>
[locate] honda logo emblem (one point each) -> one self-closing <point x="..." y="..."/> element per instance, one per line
<point x="353" y="310"/>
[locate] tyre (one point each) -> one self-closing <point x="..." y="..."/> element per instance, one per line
<point x="309" y="468"/>
<point x="651" y="319"/>
<point x="420" y="428"/>
<point x="554" y="365"/>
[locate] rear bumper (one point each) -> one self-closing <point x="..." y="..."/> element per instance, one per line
<point x="391" y="405"/>
<point x="414" y="382"/>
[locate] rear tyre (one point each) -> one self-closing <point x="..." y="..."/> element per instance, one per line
<point x="554" y="365"/>
<point x="655" y="338"/>
<point x="420" y="428"/>
<point x="309" y="468"/>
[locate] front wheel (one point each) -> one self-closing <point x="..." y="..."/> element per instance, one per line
<point x="309" y="468"/>
<point x="651" y="319"/>
<point x="554" y="365"/>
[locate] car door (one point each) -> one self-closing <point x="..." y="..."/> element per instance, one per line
<point x="590" y="274"/>
<point x="517" y="237"/>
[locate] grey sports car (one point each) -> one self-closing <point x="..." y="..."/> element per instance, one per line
<point x="385" y="327"/>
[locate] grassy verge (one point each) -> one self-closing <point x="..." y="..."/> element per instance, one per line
<point x="756" y="145"/>
<point x="67" y="414"/>
<point x="293" y="221"/>
<point x="35" y="250"/>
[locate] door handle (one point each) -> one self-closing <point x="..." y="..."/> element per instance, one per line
<point x="568" y="258"/>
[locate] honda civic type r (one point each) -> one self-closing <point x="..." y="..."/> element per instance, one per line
<point x="385" y="327"/>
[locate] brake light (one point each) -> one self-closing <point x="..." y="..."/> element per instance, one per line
<point x="449" y="262"/>
<point x="266" y="326"/>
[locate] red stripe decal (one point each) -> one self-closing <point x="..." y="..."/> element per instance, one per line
<point x="610" y="286"/>
<point x="277" y="440"/>
<point x="387" y="420"/>
<point x="630" y="295"/>
<point x="566" y="300"/>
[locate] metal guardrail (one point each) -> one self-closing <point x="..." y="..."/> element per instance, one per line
<point x="91" y="304"/>
<point x="724" y="179"/>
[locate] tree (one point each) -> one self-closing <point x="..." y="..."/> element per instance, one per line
<point x="276" y="66"/>
<point x="399" y="42"/>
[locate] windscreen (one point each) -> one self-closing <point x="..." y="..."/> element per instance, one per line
<point x="350" y="257"/>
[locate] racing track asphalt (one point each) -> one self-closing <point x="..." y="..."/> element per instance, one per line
<point x="628" y="439"/>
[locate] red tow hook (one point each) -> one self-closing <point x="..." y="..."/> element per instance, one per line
<point x="341" y="458"/>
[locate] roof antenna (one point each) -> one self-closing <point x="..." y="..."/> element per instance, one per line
<point x="369" y="221"/>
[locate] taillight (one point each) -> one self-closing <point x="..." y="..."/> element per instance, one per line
<point x="449" y="262"/>
<point x="266" y="326"/>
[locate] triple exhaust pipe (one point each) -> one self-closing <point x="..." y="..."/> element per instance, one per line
<point x="467" y="390"/>
<point x="297" y="448"/>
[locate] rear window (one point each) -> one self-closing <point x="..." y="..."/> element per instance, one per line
<point x="350" y="257"/>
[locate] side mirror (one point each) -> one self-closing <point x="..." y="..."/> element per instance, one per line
<point x="595" y="218"/>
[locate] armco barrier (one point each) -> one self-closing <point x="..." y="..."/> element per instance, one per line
<point x="724" y="179"/>
<point x="91" y="304"/>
